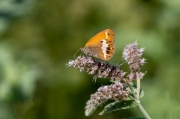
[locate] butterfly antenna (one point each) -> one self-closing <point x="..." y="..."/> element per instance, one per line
<point x="76" y="52"/>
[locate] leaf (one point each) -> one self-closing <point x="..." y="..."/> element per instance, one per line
<point x="141" y="93"/>
<point x="135" y="90"/>
<point x="118" y="105"/>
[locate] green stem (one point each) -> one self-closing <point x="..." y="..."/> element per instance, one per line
<point x="143" y="111"/>
<point x="141" y="108"/>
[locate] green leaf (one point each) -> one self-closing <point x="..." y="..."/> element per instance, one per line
<point x="141" y="93"/>
<point x="135" y="90"/>
<point x="118" y="105"/>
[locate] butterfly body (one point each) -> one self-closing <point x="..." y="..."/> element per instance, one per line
<point x="101" y="45"/>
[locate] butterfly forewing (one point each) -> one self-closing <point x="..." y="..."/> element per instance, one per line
<point x="101" y="45"/>
<point x="100" y="36"/>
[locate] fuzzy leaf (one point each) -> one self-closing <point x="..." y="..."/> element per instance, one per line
<point x="118" y="105"/>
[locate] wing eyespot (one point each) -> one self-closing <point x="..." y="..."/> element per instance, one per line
<point x="108" y="34"/>
<point x="107" y="52"/>
<point x="108" y="48"/>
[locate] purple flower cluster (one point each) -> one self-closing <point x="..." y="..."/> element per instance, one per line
<point x="134" y="76"/>
<point x="104" y="93"/>
<point x="99" y="69"/>
<point x="133" y="55"/>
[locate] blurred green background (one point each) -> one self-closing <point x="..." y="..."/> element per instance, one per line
<point x="38" y="38"/>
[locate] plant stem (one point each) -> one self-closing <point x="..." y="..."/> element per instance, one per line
<point x="138" y="88"/>
<point x="141" y="108"/>
<point x="143" y="111"/>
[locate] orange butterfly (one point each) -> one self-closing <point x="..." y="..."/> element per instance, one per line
<point x="101" y="45"/>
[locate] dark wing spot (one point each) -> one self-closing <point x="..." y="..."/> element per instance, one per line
<point x="111" y="44"/>
<point x="108" y="48"/>
<point x="101" y="41"/>
<point x="108" y="34"/>
<point x="107" y="52"/>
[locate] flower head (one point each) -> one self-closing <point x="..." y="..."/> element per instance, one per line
<point x="105" y="93"/>
<point x="99" y="69"/>
<point x="133" y="56"/>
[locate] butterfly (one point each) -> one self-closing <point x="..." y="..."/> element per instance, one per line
<point x="101" y="45"/>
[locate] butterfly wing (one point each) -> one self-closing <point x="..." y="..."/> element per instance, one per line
<point x="101" y="45"/>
